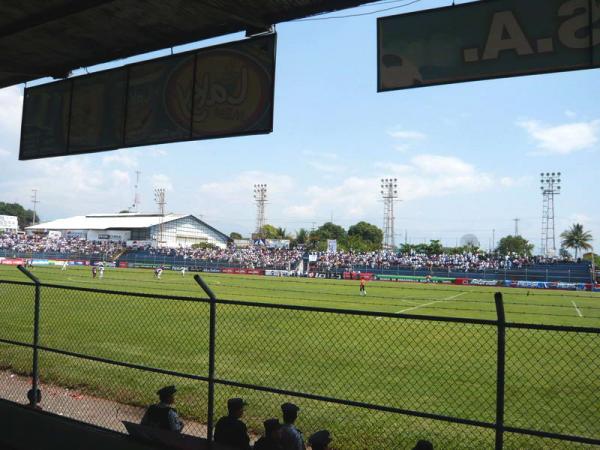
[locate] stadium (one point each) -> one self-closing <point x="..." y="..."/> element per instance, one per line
<point x="284" y="313"/>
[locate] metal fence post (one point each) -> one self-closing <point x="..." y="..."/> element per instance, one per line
<point x="212" y="334"/>
<point x="500" y="373"/>
<point x="35" y="375"/>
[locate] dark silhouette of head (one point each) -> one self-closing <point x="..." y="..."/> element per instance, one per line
<point x="272" y="427"/>
<point x="423" y="445"/>
<point x="167" y="394"/>
<point x="320" y="440"/>
<point x="290" y="412"/>
<point x="235" y="407"/>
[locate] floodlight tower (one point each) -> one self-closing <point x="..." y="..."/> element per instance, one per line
<point x="550" y="186"/>
<point x="159" y="198"/>
<point x="389" y="193"/>
<point x="260" y="197"/>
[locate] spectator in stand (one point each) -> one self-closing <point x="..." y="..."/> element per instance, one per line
<point x="272" y="438"/>
<point x="162" y="414"/>
<point x="320" y="440"/>
<point x="423" y="445"/>
<point x="34" y="399"/>
<point x="230" y="430"/>
<point x="291" y="437"/>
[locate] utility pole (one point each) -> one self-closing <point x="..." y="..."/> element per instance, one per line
<point x="260" y="197"/>
<point x="550" y="186"/>
<point x="516" y="220"/>
<point x="493" y="239"/>
<point x="136" y="195"/>
<point x="35" y="201"/>
<point x="389" y="193"/>
<point x="159" y="198"/>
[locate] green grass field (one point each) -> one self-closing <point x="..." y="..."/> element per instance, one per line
<point x="552" y="378"/>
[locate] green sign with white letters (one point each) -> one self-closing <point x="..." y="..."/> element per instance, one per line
<point x="487" y="39"/>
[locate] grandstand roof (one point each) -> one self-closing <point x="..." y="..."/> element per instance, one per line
<point x="108" y="221"/>
<point x="40" y="38"/>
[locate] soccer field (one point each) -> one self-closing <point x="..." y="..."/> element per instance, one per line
<point x="552" y="380"/>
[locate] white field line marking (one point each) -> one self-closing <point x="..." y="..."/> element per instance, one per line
<point x="576" y="309"/>
<point x="430" y="303"/>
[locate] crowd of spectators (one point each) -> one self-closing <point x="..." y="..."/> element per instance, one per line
<point x="464" y="262"/>
<point x="32" y="244"/>
<point x="255" y="257"/>
<point x="250" y="257"/>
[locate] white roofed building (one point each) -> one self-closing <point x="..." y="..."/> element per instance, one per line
<point x="169" y="230"/>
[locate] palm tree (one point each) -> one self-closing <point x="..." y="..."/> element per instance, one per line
<point x="576" y="238"/>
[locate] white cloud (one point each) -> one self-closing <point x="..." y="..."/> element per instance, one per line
<point x="423" y="176"/>
<point x="11" y="101"/>
<point x="160" y="180"/>
<point x="327" y="167"/>
<point x="4" y="153"/>
<point x="562" y="139"/>
<point x="121" y="178"/>
<point x="570" y="114"/>
<point x="321" y="155"/>
<point x="406" y="139"/>
<point x="121" y="159"/>
<point x="408" y="135"/>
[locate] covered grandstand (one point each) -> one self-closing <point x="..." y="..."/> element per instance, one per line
<point x="152" y="230"/>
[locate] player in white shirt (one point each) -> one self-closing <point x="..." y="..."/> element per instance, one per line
<point x="64" y="265"/>
<point x="101" y="271"/>
<point x="183" y="269"/>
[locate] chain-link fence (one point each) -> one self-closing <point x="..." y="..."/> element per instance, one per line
<point x="375" y="380"/>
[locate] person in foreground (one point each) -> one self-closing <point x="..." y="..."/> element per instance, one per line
<point x="272" y="438"/>
<point x="230" y="430"/>
<point x="162" y="414"/>
<point x="291" y="437"/>
<point x="320" y="440"/>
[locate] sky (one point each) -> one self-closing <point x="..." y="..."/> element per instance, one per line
<point x="467" y="156"/>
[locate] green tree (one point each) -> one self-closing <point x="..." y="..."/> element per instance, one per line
<point x="318" y="238"/>
<point x="435" y="247"/>
<point x="576" y="238"/>
<point x="271" y="232"/>
<point x="365" y="237"/>
<point x="235" y="235"/>
<point x="514" y="244"/>
<point x="24" y="216"/>
<point x="301" y="237"/>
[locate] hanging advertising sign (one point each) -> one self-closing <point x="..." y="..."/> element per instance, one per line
<point x="487" y="39"/>
<point x="221" y="91"/>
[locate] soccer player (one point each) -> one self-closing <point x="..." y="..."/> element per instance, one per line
<point x="183" y="271"/>
<point x="94" y="271"/>
<point x="101" y="270"/>
<point x="363" y="290"/>
<point x="158" y="272"/>
<point x="64" y="265"/>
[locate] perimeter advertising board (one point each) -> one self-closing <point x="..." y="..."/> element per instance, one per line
<point x="487" y="39"/>
<point x="221" y="91"/>
<point x="9" y="223"/>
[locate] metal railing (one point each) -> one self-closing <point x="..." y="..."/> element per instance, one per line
<point x="377" y="380"/>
